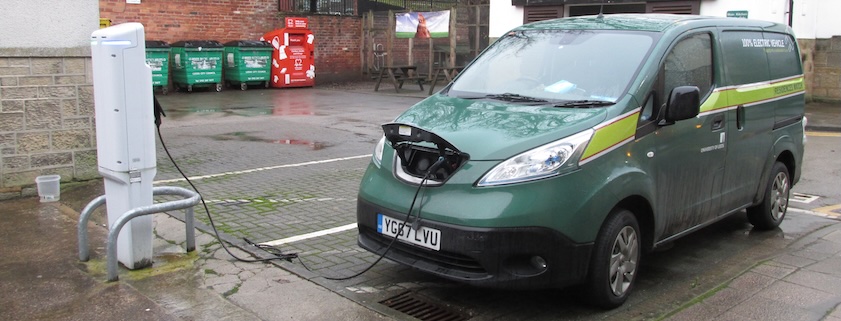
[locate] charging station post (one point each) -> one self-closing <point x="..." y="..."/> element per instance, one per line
<point x="125" y="134"/>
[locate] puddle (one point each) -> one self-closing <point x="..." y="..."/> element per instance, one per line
<point x="247" y="137"/>
<point x="313" y="145"/>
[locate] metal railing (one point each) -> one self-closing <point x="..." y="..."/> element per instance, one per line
<point x="347" y="7"/>
<point x="191" y="199"/>
<point x="405" y="5"/>
<point x="327" y="7"/>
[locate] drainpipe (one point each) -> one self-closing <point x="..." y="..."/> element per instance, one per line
<point x="790" y="12"/>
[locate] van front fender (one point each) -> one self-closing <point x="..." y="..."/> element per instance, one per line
<point x="627" y="187"/>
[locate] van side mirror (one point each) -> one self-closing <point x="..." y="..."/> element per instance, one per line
<point x="684" y="103"/>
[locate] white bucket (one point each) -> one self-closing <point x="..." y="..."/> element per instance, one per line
<point x="48" y="187"/>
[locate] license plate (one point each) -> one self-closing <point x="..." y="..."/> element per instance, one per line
<point x="424" y="236"/>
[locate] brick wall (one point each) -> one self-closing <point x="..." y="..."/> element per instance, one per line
<point x="337" y="41"/>
<point x="223" y="21"/>
<point x="46" y="120"/>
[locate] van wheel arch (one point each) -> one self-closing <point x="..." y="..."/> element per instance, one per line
<point x="644" y="213"/>
<point x="787" y="158"/>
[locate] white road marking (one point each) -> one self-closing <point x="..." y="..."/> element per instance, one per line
<point x="195" y="178"/>
<point x="287" y="200"/>
<point x="310" y="235"/>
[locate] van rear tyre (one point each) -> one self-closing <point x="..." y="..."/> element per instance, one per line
<point x="768" y="214"/>
<point x="615" y="260"/>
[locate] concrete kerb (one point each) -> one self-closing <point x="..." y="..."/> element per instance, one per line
<point x="293" y="267"/>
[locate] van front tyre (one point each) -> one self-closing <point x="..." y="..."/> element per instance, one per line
<point x="615" y="260"/>
<point x="771" y="211"/>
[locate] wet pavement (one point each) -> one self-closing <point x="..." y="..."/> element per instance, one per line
<point x="273" y="164"/>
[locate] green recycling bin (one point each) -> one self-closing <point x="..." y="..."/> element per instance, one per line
<point x="247" y="62"/>
<point x="157" y="57"/>
<point x="197" y="64"/>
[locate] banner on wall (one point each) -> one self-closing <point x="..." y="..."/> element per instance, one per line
<point x="435" y="24"/>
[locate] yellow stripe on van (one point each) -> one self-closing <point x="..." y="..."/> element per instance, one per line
<point x="752" y="94"/>
<point x="611" y="133"/>
<point x="715" y="102"/>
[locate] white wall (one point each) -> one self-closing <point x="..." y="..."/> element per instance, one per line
<point x="502" y="17"/>
<point x="47" y="23"/>
<point x="827" y="20"/>
<point x="812" y="18"/>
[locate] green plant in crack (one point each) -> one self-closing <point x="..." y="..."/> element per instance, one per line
<point x="232" y="291"/>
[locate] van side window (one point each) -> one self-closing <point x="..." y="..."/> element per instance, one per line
<point x="743" y="53"/>
<point x="690" y="64"/>
<point x="782" y="55"/>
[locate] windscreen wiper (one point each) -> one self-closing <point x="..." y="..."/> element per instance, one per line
<point x="584" y="103"/>
<point x="510" y="97"/>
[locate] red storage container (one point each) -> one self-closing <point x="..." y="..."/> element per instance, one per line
<point x="293" y="61"/>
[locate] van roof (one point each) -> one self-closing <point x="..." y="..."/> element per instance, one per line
<point x="645" y="22"/>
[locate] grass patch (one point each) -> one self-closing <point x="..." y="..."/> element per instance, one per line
<point x="231" y="291"/>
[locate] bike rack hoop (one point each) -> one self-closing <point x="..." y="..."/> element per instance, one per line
<point x="191" y="198"/>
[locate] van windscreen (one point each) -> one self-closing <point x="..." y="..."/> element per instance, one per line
<point x="557" y="65"/>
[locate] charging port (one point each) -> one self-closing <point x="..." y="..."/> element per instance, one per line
<point x="423" y="154"/>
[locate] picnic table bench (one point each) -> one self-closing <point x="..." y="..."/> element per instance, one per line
<point x="398" y="75"/>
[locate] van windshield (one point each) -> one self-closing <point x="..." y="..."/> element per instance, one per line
<point x="556" y="65"/>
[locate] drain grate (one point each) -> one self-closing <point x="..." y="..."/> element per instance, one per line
<point x="803" y="198"/>
<point x="409" y="303"/>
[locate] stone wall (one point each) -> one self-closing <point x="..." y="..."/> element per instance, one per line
<point x="822" y="68"/>
<point x="46" y="119"/>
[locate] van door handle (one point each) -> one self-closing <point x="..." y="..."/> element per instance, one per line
<point x="718" y="122"/>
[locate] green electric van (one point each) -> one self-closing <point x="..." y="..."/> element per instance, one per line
<point x="571" y="146"/>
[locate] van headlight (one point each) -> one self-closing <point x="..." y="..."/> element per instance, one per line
<point x="548" y="160"/>
<point x="378" y="152"/>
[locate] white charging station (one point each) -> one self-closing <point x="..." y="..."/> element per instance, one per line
<point x="125" y="133"/>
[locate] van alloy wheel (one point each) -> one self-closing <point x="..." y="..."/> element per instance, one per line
<point x="768" y="214"/>
<point x="623" y="260"/>
<point x="779" y="192"/>
<point x="615" y="260"/>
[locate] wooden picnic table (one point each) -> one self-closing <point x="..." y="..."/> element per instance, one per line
<point x="398" y="75"/>
<point x="448" y="72"/>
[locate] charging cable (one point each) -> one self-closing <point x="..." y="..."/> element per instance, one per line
<point x="277" y="253"/>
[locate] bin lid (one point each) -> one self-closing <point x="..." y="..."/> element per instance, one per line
<point x="197" y="44"/>
<point x="247" y="43"/>
<point x="156" y="44"/>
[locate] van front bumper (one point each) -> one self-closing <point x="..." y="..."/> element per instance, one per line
<point x="509" y="257"/>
